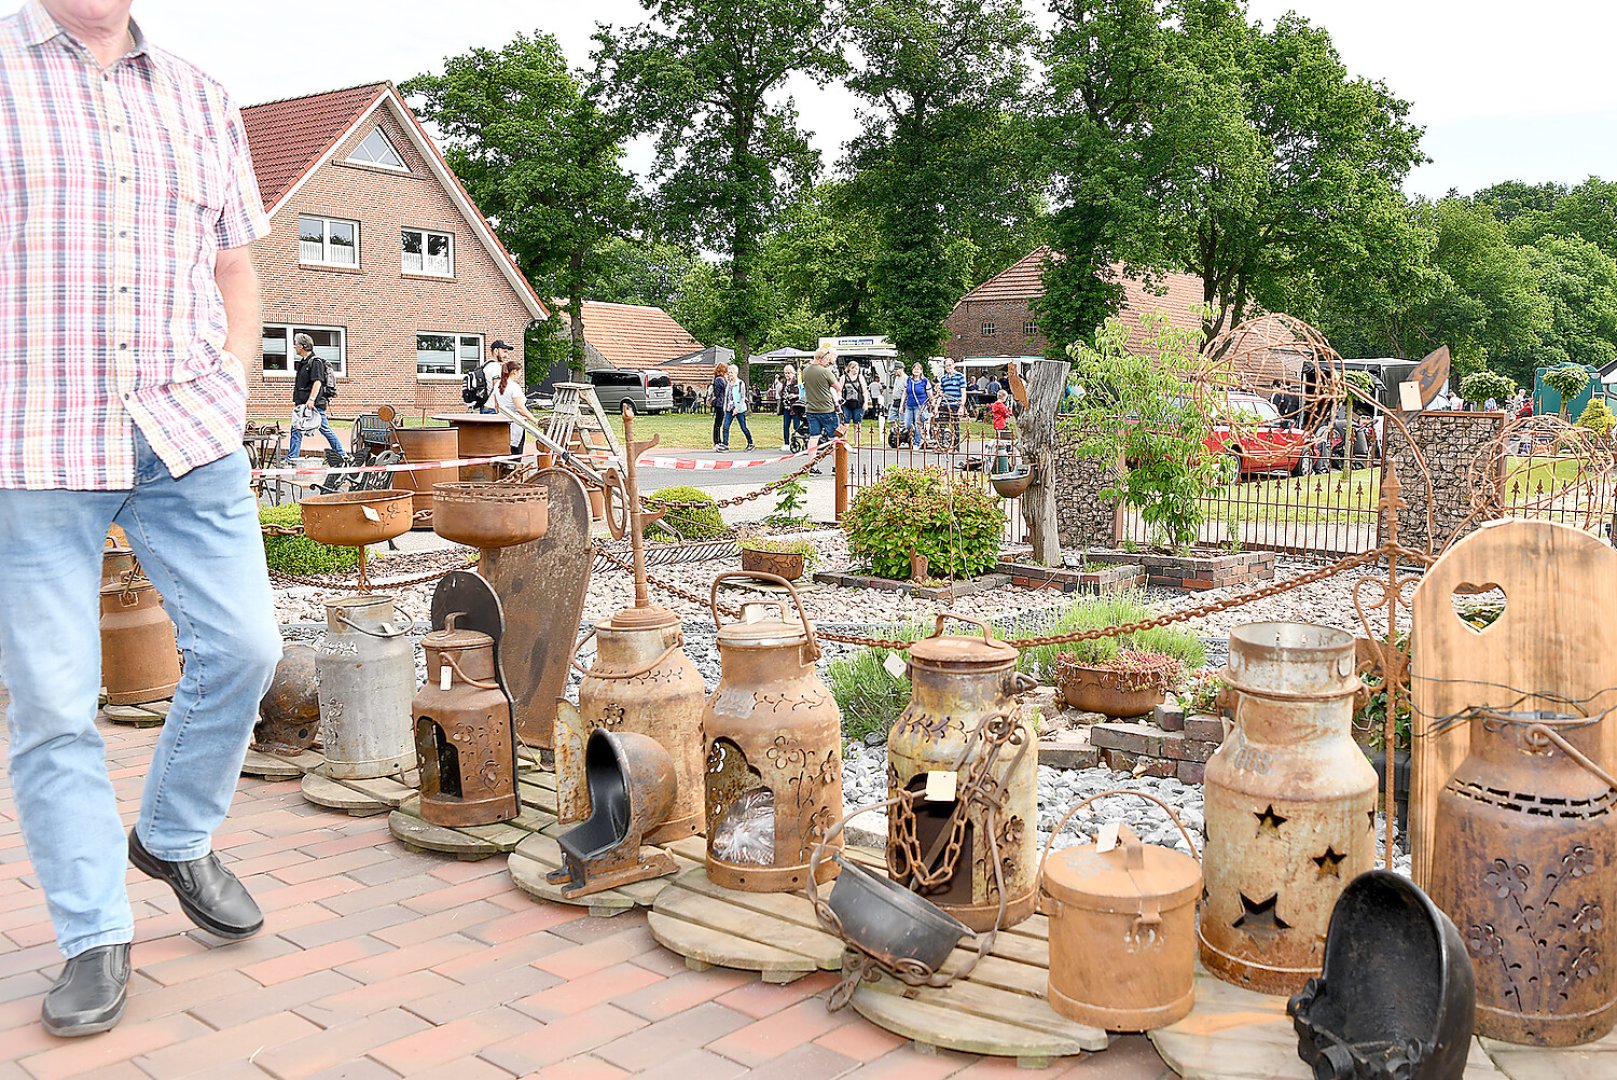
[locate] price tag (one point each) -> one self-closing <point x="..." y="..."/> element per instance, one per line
<point x="940" y="786"/>
<point x="897" y="668"/>
<point x="1409" y="396"/>
<point x="370" y="514"/>
<point x="1107" y="840"/>
<point x="443" y="677"/>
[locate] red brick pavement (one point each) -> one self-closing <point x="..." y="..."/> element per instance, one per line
<point x="380" y="962"/>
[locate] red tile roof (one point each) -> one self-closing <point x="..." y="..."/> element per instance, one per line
<point x="635" y="336"/>
<point x="289" y="136"/>
<point x="1023" y="280"/>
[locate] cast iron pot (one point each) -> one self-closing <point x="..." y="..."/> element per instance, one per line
<point x="889" y="921"/>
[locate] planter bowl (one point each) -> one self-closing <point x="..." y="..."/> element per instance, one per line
<point x="786" y="564"/>
<point x="1115" y="693"/>
<point x="490" y="515"/>
<point x="1012" y="485"/>
<point x="357" y="518"/>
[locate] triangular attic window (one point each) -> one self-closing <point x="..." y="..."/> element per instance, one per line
<point x="377" y="150"/>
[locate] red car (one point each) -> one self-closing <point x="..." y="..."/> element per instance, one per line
<point x="1260" y="440"/>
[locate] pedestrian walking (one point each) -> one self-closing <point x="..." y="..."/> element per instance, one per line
<point x="736" y="406"/>
<point x="718" y="393"/>
<point x="127" y="170"/>
<point x="820" y="390"/>
<point x="916" y="389"/>
<point x="854" y="397"/>
<point x="510" y="401"/>
<point x="790" y="394"/>
<point x="312" y="392"/>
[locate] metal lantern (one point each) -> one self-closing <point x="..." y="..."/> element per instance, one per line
<point x="139" y="659"/>
<point x="963" y="719"/>
<point x="1526" y="835"/>
<point x="365" y="667"/>
<point x="1290" y="806"/>
<point x="1122" y="928"/>
<point x="774" y="753"/>
<point x="289" y="712"/>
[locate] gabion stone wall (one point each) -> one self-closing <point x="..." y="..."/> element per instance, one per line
<point x="1083" y="517"/>
<point x="1450" y="442"/>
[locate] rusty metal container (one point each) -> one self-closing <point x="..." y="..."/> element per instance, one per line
<point x="365" y="669"/>
<point x="289" y="712"/>
<point x="641" y="683"/>
<point x="139" y="659"/>
<point x="773" y="754"/>
<point x="1290" y="806"/>
<point x="427" y="444"/>
<point x="962" y="688"/>
<point x="1527" y="834"/>
<point x="1122" y="928"/>
<point x="491" y="515"/>
<point x="464" y="737"/>
<point x="116" y="562"/>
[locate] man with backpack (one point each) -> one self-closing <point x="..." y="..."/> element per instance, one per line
<point x="477" y="385"/>
<point x="312" y="391"/>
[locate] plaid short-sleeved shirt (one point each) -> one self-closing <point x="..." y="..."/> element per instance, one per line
<point x="117" y="190"/>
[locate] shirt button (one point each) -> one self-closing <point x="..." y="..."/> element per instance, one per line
<point x="123" y="179"/>
<point x="123" y="232"/>
<point x="123" y="345"/>
<point x="117" y="127"/>
<point x="123" y="288"/>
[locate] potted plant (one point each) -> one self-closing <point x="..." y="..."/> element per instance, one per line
<point x="1129" y="682"/>
<point x="790" y="559"/>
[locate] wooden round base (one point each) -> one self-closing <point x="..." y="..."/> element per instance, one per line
<point x="140" y="716"/>
<point x="466" y="842"/>
<point x="359" y="798"/>
<point x="538" y="855"/>
<point x="1000" y="1009"/>
<point x="275" y="767"/>
<point x="1235" y="1034"/>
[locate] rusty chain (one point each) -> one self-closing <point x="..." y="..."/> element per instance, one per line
<point x="737" y="500"/>
<point x="354" y="586"/>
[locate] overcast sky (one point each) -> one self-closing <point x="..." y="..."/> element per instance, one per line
<point x="1505" y="90"/>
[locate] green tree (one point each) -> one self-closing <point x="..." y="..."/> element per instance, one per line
<point x="1587" y="212"/>
<point x="708" y="77"/>
<point x="627" y="271"/>
<point x="1187" y="137"/>
<point x="938" y="156"/>
<point x="1578" y="282"/>
<point x="823" y="258"/>
<point x="539" y="153"/>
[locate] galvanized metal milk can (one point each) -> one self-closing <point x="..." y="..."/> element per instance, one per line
<point x="464" y="736"/>
<point x="139" y="659"/>
<point x="641" y="682"/>
<point x="774" y="751"/>
<point x="963" y="719"/>
<point x="1526" y="836"/>
<point x="366" y="671"/>
<point x="1122" y="927"/>
<point x="1290" y="806"/>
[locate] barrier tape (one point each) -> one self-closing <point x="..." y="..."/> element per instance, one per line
<point x="704" y="464"/>
<point x="321" y="470"/>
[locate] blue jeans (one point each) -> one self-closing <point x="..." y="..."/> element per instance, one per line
<point x="295" y="443"/>
<point x="822" y="423"/>
<point x="740" y="418"/>
<point x="912" y="417"/>
<point x="198" y="541"/>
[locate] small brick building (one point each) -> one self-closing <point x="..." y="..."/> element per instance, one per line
<point x="996" y="318"/>
<point x="377" y="253"/>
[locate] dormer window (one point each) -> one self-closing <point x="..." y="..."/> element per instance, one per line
<point x="377" y="150"/>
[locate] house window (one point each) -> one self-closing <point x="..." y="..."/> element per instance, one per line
<point x="1030" y="329"/>
<point x="989" y="329"/>
<point x="447" y="356"/>
<point x="326" y="241"/>
<point x="330" y="344"/>
<point x="428" y="252"/>
<point x="378" y="150"/>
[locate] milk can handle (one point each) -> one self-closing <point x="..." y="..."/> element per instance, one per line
<point x="713" y="600"/>
<point x="988" y="631"/>
<point x="590" y="672"/>
<point x="346" y="621"/>
<point x="1101" y="795"/>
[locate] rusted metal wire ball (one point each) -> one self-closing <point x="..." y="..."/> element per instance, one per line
<point x="289" y="714"/>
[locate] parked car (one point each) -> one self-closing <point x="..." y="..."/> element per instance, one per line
<point x="1259" y="439"/>
<point x="647" y="390"/>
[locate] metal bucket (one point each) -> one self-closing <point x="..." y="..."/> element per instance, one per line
<point x="427" y="444"/>
<point x="366" y="671"/>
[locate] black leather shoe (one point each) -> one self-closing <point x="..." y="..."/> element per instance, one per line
<point x="90" y="994"/>
<point x="208" y="893"/>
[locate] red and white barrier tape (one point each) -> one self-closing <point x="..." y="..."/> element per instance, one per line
<point x="409" y="466"/>
<point x="725" y="463"/>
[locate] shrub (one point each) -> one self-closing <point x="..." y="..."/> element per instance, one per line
<point x="1479" y="386"/>
<point x="955" y="524"/>
<point x="1597" y="417"/>
<point x="685" y="523"/>
<point x="805" y="548"/>
<point x="1568" y="380"/>
<point x="1201" y="691"/>
<point x="1111" y="609"/>
<point x="298" y="554"/>
<point x="870" y="696"/>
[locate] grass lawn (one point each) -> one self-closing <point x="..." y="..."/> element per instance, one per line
<point x="1298" y="499"/>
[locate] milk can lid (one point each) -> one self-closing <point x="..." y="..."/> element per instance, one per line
<point x="963" y="649"/>
<point x="1084" y="877"/>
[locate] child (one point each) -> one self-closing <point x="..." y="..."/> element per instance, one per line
<point x="1000" y="413"/>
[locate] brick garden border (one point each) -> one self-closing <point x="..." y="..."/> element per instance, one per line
<point x="1195" y="573"/>
<point x="1114" y="577"/>
<point x="952" y="591"/>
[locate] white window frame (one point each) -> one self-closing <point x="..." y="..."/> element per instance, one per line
<point x="338" y="367"/>
<point x="402" y="167"/>
<point x="989" y="329"/>
<point x="325" y="242"/>
<point x="425" y="234"/>
<point x="462" y="365"/>
<point x="1030" y="329"/>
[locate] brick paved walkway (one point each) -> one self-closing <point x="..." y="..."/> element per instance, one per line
<point x="376" y="961"/>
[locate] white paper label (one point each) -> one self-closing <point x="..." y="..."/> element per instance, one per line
<point x="1409" y="396"/>
<point x="897" y="668"/>
<point x="443" y="677"/>
<point x="1107" y="839"/>
<point x="370" y="514"/>
<point x="940" y="785"/>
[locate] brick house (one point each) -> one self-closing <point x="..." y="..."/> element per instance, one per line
<point x="639" y="336"/>
<point x="996" y="318"/>
<point x="377" y="253"/>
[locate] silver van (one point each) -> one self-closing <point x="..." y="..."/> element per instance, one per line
<point x="649" y="391"/>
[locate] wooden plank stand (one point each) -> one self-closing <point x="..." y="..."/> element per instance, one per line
<point x="539" y="855"/>
<point x="275" y="767"/>
<point x="536" y="792"/>
<point x="359" y="798"/>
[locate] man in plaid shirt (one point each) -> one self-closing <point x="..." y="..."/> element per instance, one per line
<point x="127" y="295"/>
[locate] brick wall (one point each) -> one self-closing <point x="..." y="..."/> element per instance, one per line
<point x="966" y="338"/>
<point x="1450" y="443"/>
<point x="1083" y="516"/>
<point x="380" y="308"/>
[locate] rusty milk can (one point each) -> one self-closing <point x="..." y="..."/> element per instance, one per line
<point x="963" y="719"/>
<point x="643" y="683"/>
<point x="1290" y="806"/>
<point x="1526" y="831"/>
<point x="464" y="737"/>
<point x="139" y="660"/>
<point x="1122" y="928"/>
<point x="774" y="751"/>
<point x="117" y="561"/>
<point x="365" y="668"/>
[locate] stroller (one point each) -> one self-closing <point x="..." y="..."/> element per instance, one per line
<point x="800" y="435"/>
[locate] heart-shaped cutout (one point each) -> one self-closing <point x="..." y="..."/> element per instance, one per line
<point x="1478" y="606"/>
